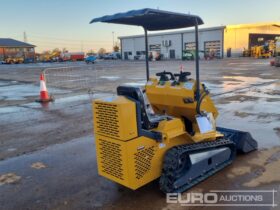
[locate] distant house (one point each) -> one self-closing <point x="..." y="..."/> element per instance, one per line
<point x="13" y="48"/>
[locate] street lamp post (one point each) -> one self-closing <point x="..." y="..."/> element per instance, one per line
<point x="113" y="35"/>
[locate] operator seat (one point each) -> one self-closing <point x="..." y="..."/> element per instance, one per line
<point x="149" y="120"/>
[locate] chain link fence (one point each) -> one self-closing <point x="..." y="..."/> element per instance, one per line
<point x="102" y="77"/>
<point x="72" y="79"/>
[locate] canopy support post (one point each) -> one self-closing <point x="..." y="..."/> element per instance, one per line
<point x="147" y="55"/>
<point x="197" y="94"/>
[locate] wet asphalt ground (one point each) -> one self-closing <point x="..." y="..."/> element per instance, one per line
<point x="47" y="152"/>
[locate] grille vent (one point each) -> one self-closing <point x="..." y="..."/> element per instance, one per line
<point x="143" y="160"/>
<point x="111" y="158"/>
<point x="107" y="120"/>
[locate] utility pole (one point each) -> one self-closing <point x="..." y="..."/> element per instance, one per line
<point x="24" y="37"/>
<point x="25" y="40"/>
<point x="113" y="35"/>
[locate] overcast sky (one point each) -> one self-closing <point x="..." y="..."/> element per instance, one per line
<point x="65" y="23"/>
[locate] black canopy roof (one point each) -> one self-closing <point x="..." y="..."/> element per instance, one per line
<point x="152" y="19"/>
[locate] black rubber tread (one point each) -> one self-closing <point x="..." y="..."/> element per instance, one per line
<point x="171" y="163"/>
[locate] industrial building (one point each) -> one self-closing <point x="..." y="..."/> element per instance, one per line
<point x="221" y="41"/>
<point x="11" y="48"/>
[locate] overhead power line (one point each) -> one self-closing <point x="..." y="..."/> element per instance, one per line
<point x="68" y="42"/>
<point x="66" y="39"/>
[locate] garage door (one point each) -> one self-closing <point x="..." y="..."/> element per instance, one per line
<point x="213" y="47"/>
<point x="261" y="39"/>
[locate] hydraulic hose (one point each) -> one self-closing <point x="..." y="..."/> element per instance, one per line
<point x="198" y="105"/>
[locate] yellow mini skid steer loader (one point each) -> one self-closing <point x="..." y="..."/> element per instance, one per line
<point x="166" y="130"/>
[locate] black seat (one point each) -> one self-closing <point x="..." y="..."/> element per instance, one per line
<point x="148" y="119"/>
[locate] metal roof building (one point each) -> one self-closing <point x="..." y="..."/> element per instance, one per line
<point x="10" y="48"/>
<point x="7" y="42"/>
<point x="222" y="41"/>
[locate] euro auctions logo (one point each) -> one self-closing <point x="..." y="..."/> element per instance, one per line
<point x="224" y="198"/>
<point x="192" y="198"/>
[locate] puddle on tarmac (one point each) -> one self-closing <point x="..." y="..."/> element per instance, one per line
<point x="56" y="104"/>
<point x="135" y="78"/>
<point x="11" y="109"/>
<point x="249" y="64"/>
<point x="73" y="98"/>
<point x="5" y="83"/>
<point x="271" y="93"/>
<point x="22" y="91"/>
<point x="110" y="78"/>
<point x="18" y="92"/>
<point x="138" y="84"/>
<point x="232" y="83"/>
<point x="81" y="97"/>
<point x="255" y="109"/>
<point x="237" y="69"/>
<point x="260" y="118"/>
<point x="226" y="86"/>
<point x="11" y="149"/>
<point x="249" y="80"/>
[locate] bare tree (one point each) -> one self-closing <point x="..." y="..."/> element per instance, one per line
<point x="101" y="51"/>
<point x="116" y="48"/>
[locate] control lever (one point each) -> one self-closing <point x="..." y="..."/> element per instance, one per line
<point x="163" y="76"/>
<point x="183" y="76"/>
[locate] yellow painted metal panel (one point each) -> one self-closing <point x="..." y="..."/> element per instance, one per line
<point x="137" y="162"/>
<point x="115" y="117"/>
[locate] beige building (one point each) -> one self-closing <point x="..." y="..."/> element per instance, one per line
<point x="224" y="41"/>
<point x="238" y="37"/>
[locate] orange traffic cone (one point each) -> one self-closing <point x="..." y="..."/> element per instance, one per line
<point x="44" y="95"/>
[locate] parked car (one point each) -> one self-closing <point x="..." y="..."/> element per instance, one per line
<point x="90" y="59"/>
<point x="139" y="57"/>
<point x="112" y="56"/>
<point x="109" y="57"/>
<point x="117" y="55"/>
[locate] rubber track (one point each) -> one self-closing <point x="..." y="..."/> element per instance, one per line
<point x="171" y="160"/>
